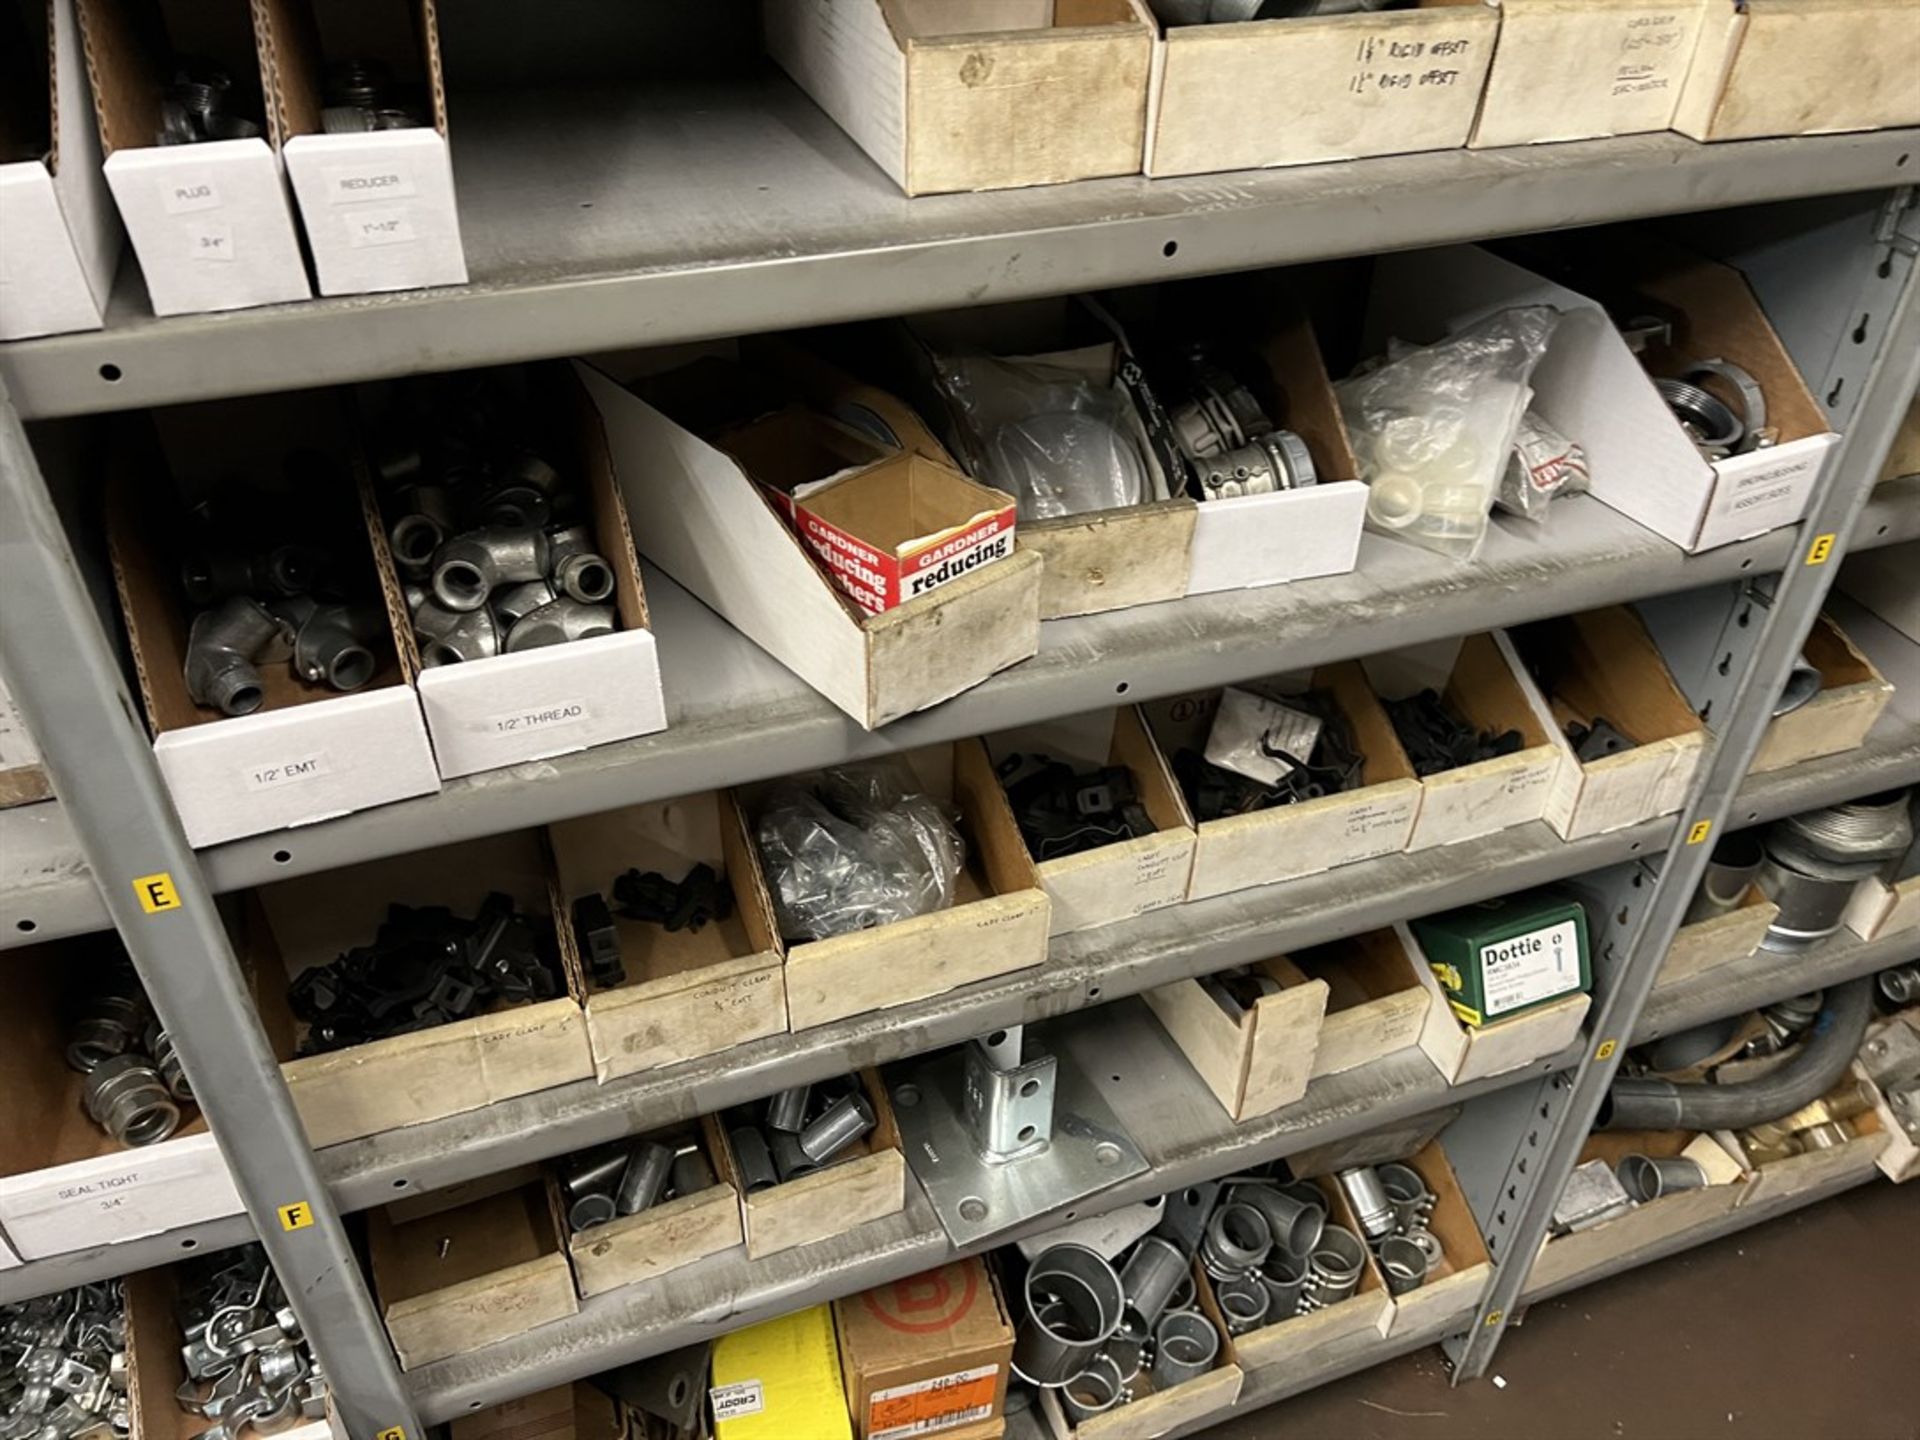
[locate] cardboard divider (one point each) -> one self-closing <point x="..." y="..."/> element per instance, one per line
<point x="1285" y="842"/>
<point x="984" y="97"/>
<point x="1454" y="1283"/>
<point x="426" y="1074"/>
<point x="630" y="1249"/>
<point x="688" y="992"/>
<point x="1603" y="665"/>
<point x="473" y="1275"/>
<point x="555" y="699"/>
<point x="1376" y="1003"/>
<point x="1853" y="693"/>
<point x="1463" y="1053"/>
<point x="997" y="923"/>
<point x="867" y="1181"/>
<point x="1368" y="1309"/>
<point x="65" y="1183"/>
<point x="1127" y="877"/>
<point x="1264" y="1059"/>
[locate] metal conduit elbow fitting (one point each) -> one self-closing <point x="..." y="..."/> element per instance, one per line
<point x="557" y="623"/>
<point x="516" y="602"/>
<point x="127" y="1098"/>
<point x="584" y="577"/>
<point x="330" y="641"/>
<point x="1644" y="1103"/>
<point x="470" y="565"/>
<point x="472" y="636"/>
<point x="413" y="540"/>
<point x="222" y="645"/>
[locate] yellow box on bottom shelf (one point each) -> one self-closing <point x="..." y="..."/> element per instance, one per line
<point x="780" y="1380"/>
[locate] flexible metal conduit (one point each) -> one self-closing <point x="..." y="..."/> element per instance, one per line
<point x="1650" y="1104"/>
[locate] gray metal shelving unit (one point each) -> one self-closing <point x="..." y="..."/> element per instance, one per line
<point x="735" y="207"/>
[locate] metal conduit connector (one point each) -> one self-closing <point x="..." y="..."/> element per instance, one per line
<point x="470" y="636"/>
<point x="1284" y="1273"/>
<point x="1814" y="860"/>
<point x="842" y="1123"/>
<point x="1295" y="1222"/>
<point x="166" y="1063"/>
<point x="330" y="642"/>
<point x="516" y="602"/>
<point x="1244" y="1301"/>
<point x="788" y="1110"/>
<point x="1128" y="1352"/>
<point x="127" y="1098"/>
<point x="1094" y="1391"/>
<point x="1236" y="1240"/>
<point x="112" y="1025"/>
<point x="223" y="645"/>
<point x="790" y="1162"/>
<point x="1901" y="985"/>
<point x="1333" y="1270"/>
<point x="1152" y="1273"/>
<point x="754" y="1160"/>
<point x="691" y="1173"/>
<point x="1368" y="1199"/>
<point x="584" y="577"/>
<point x="596" y="1207"/>
<point x="1736" y="861"/>
<point x="1403" y="1263"/>
<point x="644" y="1177"/>
<point x="1408" y="1194"/>
<point x="1073" y="1303"/>
<point x="412" y="540"/>
<point x="1185" y="1345"/>
<point x="468" y="567"/>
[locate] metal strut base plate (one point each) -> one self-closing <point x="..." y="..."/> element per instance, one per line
<point x="975" y="1197"/>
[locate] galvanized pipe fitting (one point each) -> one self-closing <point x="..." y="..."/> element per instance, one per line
<point x="1073" y="1303"/>
<point x="691" y="1173"/>
<point x="1128" y="1351"/>
<point x="412" y="540"/>
<point x="1244" y="1301"/>
<point x="516" y="602"/>
<point x="1647" y="1179"/>
<point x="1152" y="1273"/>
<point x="330" y="642"/>
<point x="1296" y="1223"/>
<point x="584" y="577"/>
<point x="1185" y="1345"/>
<point x="1368" y="1198"/>
<point x="127" y="1098"/>
<point x="1285" y="1275"/>
<point x="1901" y="985"/>
<point x="843" y="1122"/>
<point x="472" y="636"/>
<point x="166" y="1062"/>
<point x="111" y="1026"/>
<point x="1094" y="1391"/>
<point x="1236" y="1240"/>
<point x="1407" y="1193"/>
<point x="1333" y="1270"/>
<point x="788" y="1110"/>
<point x="790" y="1162"/>
<point x="1404" y="1263"/>
<point x="222" y="646"/>
<point x="596" y="1207"/>
<point x="558" y="623"/>
<point x="753" y="1159"/>
<point x="644" y="1177"/>
<point x="468" y="567"/>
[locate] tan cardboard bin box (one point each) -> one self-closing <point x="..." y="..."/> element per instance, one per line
<point x="928" y="1353"/>
<point x="1260" y="1061"/>
<point x="566" y="1412"/>
<point x="1852" y="695"/>
<point x="1455" y="1282"/>
<point x="664" y="1237"/>
<point x="1719" y="939"/>
<point x="1369" y="1308"/>
<point x="1474" y="1052"/>
<point x="1376" y="1001"/>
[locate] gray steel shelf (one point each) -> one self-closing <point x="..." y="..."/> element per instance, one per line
<point x="598" y="220"/>
<point x="1764" y="977"/>
<point x="1182" y="1130"/>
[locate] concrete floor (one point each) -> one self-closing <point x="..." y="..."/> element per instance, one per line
<point x="1805" y="1328"/>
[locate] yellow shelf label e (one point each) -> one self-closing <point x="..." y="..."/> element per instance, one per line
<point x="156" y="893"/>
<point x="1821" y="549"/>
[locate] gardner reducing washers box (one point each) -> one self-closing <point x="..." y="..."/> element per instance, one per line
<point x="1507" y="955"/>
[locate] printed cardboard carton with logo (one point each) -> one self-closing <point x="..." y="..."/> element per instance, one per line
<point x="926" y="1355"/>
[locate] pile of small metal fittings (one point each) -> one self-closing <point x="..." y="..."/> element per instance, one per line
<point x="260" y="600"/>
<point x="1720" y="405"/>
<point x="135" y="1085"/>
<point x="1598" y="740"/>
<point x="249" y="1368"/>
<point x="1239" y="989"/>
<point x="685" y="904"/>
<point x="626" y="1179"/>
<point x="1436" y="739"/>
<point x="1304" y="751"/>
<point x="1820" y="1124"/>
<point x="63" y="1365"/>
<point x="1814" y="861"/>
<point x="798" y="1131"/>
<point x="494" y="548"/>
<point x="1393" y="1205"/>
<point x="194" y="107"/>
<point x="1227" y="439"/>
<point x="1891" y="1059"/>
<point x="1547" y="648"/>
<point x="361" y="95"/>
<point x="1061" y="811"/>
<point x="426" y="966"/>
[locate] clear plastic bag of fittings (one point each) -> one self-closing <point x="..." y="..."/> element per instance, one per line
<point x="859" y="847"/>
<point x="1433" y="427"/>
<point x="1048" y="435"/>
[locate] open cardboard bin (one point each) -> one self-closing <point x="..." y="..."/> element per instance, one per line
<point x="506" y="709"/>
<point x="23" y="779"/>
<point x="59" y="239"/>
<point x="1796" y="1174"/>
<point x="1376" y="1002"/>
<point x="1719" y="939"/>
<point x="427" y="1074"/>
<point x="1568" y="1258"/>
<point x="997" y="923"/>
<point x="688" y="992"/>
<point x="1285" y="842"/>
<point x="1801" y="67"/>
<point x="1355" y="85"/>
<point x="1480" y="680"/>
<point x="1882" y="582"/>
<point x="1593" y="389"/>
<point x="975" y="97"/>
<point x="1128" y="877"/>
<point x="866" y="1181"/>
<point x="1152" y="1412"/>
<point x="1259" y="1062"/>
<point x="1368" y="1309"/>
<point x="65" y="1184"/>
<point x="1603" y="665"/>
<point x="212" y="223"/>
<point x="1853" y="692"/>
<point x="1879" y="907"/>
<point x="309" y="752"/>
<point x="708" y="523"/>
<point x="1584" y="69"/>
<point x="487" y="1267"/>
<point x="1473" y="1052"/>
<point x="1454" y="1284"/>
<point x="378" y="207"/>
<point x="664" y="1237"/>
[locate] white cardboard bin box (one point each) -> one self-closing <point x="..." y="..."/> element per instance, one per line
<point x="688" y="992"/>
<point x="1129" y="877"/>
<point x="1592" y="388"/>
<point x="1240" y="95"/>
<point x="705" y="521"/>
<point x="1583" y="69"/>
<point x="557" y="699"/>
<point x="65" y="1184"/>
<point x="1879" y="908"/>
<point x="378" y="208"/>
<point x="59" y="238"/>
<point x="1610" y="669"/>
<point x="996" y="924"/>
<point x="308" y="753"/>
<point x="212" y="223"/>
<point x="1474" y="1052"/>
<point x="1259" y="1062"/>
<point x="1801" y="67"/>
<point x="978" y="96"/>
<point x="1284" y="842"/>
<point x="426" y="1074"/>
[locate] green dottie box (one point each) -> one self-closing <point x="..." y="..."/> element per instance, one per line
<point x="1508" y="955"/>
